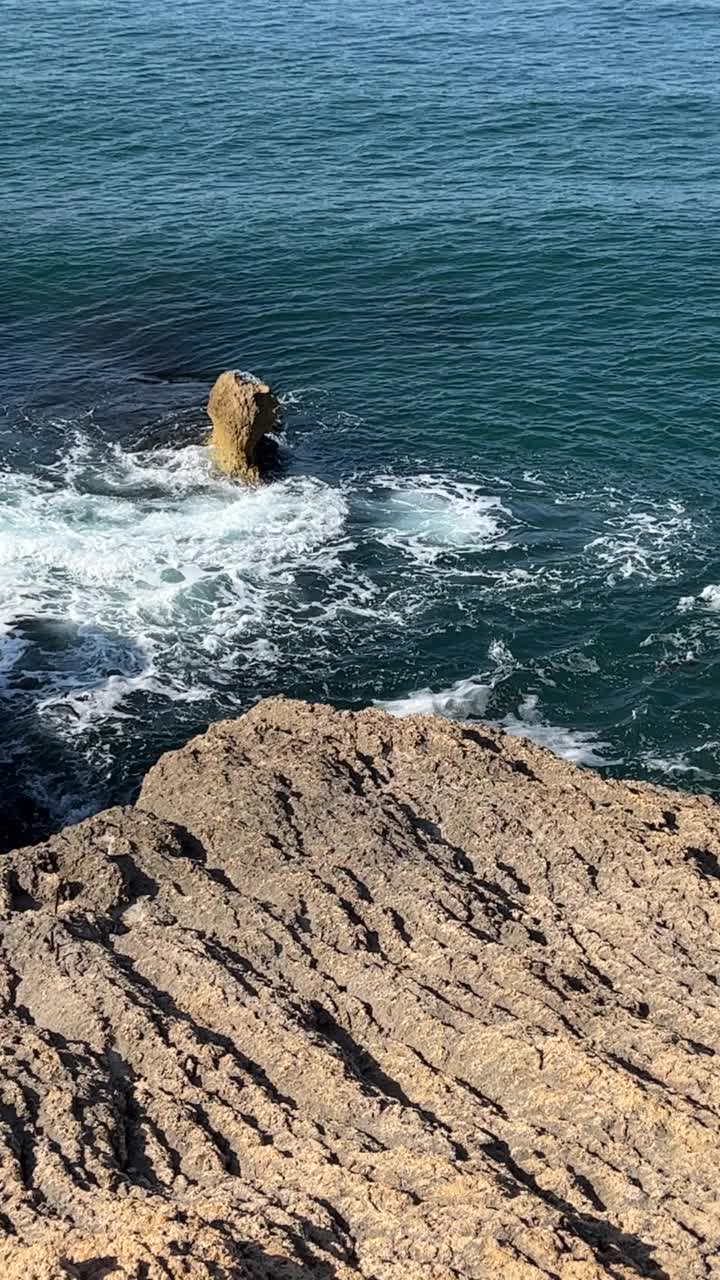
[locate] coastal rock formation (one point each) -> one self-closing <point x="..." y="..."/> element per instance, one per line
<point x="242" y="412"/>
<point x="353" y="996"/>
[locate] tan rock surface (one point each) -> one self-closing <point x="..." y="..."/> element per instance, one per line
<point x="348" y="995"/>
<point x="241" y="412"/>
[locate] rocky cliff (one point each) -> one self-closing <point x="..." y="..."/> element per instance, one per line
<point x="347" y="995"/>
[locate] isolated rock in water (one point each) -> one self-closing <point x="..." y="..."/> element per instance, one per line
<point x="354" y="996"/>
<point x="242" y="412"/>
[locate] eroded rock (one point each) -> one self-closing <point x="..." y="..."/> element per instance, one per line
<point x="348" y="995"/>
<point x="242" y="411"/>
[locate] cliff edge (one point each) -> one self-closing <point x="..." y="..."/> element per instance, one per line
<point x="345" y="995"/>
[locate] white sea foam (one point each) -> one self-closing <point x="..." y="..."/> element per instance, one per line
<point x="155" y="560"/>
<point x="710" y="596"/>
<point x="428" y="517"/>
<point x="472" y="698"/>
<point x="647" y="544"/>
<point x="463" y="700"/>
<point x="503" y="659"/>
<point x="676" y="766"/>
<point x="573" y="660"/>
<point x="709" y="599"/>
<point x="578" y="745"/>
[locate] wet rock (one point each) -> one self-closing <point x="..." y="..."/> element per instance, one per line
<point x="348" y="995"/>
<point x="242" y="411"/>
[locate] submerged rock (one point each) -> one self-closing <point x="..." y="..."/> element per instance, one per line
<point x="348" y="995"/>
<point x="242" y="411"/>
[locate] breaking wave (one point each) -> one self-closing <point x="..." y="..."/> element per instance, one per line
<point x="472" y="699"/>
<point x="142" y="595"/>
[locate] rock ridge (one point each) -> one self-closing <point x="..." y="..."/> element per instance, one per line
<point x="346" y="995"/>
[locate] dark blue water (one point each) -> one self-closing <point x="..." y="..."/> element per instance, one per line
<point x="476" y="250"/>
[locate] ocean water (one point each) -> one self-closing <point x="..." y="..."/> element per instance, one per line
<point x="476" y="250"/>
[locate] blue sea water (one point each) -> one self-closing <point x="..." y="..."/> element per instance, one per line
<point x="476" y="250"/>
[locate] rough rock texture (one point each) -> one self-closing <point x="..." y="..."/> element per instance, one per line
<point x="241" y="412"/>
<point x="348" y="995"/>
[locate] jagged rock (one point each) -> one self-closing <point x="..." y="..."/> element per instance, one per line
<point x="242" y="412"/>
<point x="347" y="995"/>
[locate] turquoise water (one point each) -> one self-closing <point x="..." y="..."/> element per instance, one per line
<point x="475" y="249"/>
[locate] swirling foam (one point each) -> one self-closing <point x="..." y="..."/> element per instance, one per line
<point x="642" y="543"/>
<point x="426" y="517"/>
<point x="152" y="562"/>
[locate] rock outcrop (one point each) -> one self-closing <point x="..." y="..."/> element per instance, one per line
<point x="242" y="411"/>
<point x="353" y="996"/>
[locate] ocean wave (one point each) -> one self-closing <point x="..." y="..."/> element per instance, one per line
<point x="471" y="699"/>
<point x="464" y="700"/>
<point x="578" y="745"/>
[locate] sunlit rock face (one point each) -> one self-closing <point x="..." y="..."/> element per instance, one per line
<point x="350" y="995"/>
<point x="242" y="411"/>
